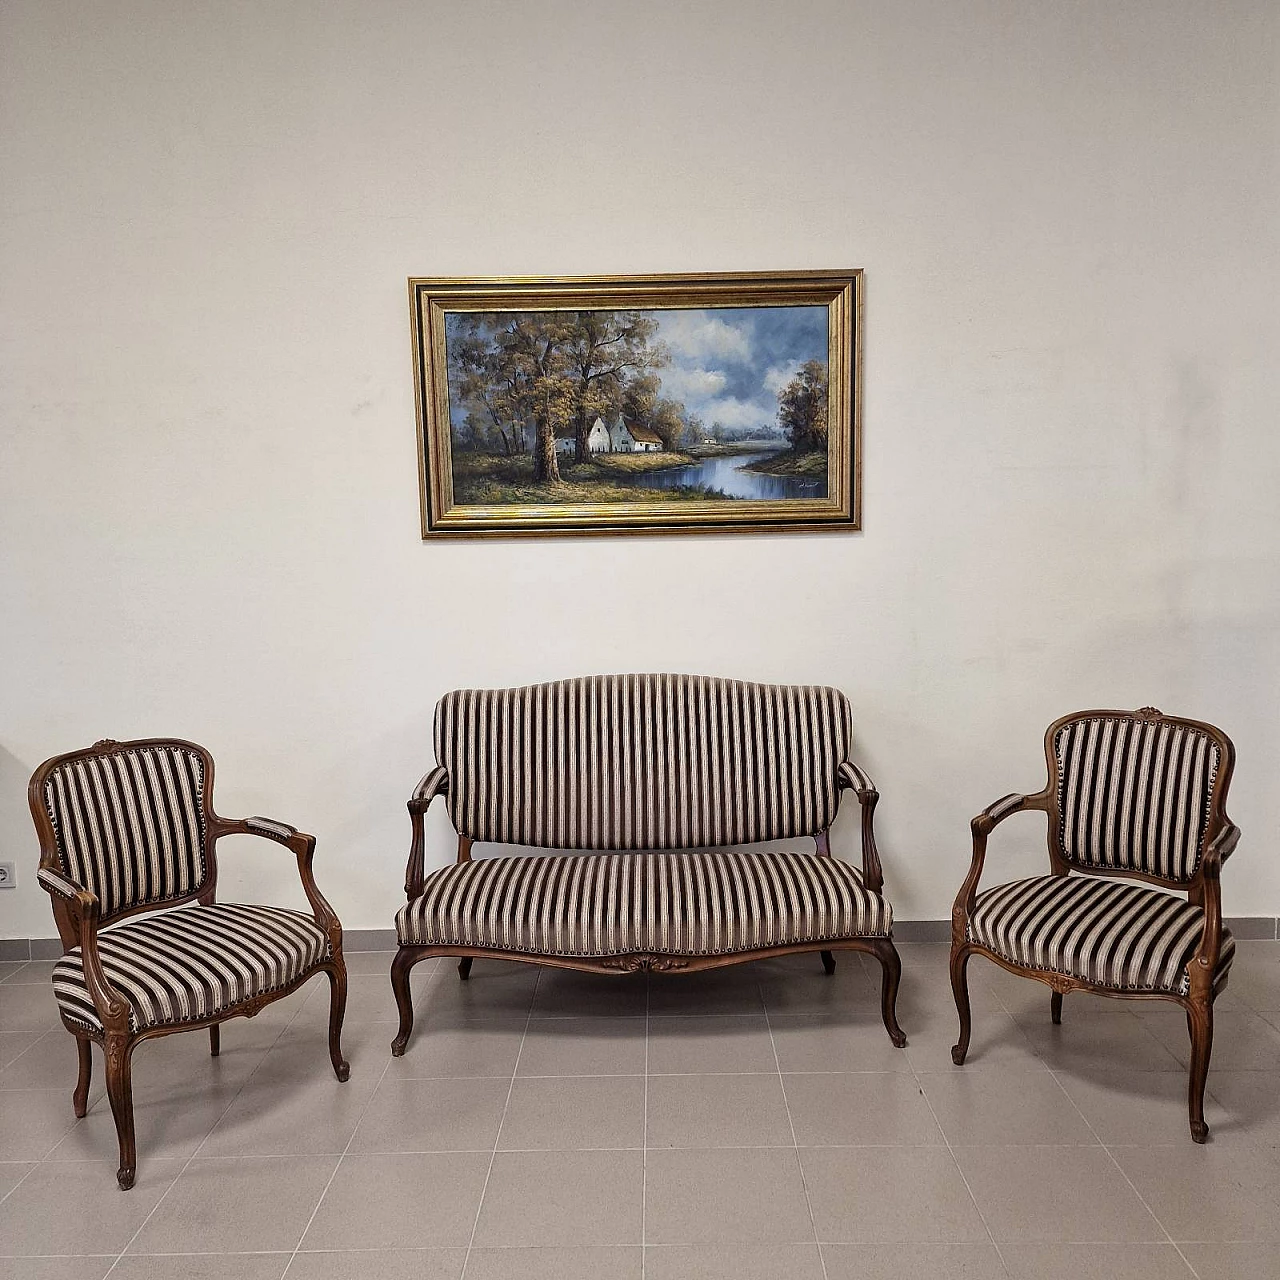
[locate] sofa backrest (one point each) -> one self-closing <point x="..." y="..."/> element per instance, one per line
<point x="642" y="761"/>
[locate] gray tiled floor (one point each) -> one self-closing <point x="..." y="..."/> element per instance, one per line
<point x="753" y="1123"/>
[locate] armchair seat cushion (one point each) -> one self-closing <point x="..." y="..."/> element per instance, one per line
<point x="1117" y="934"/>
<point x="193" y="962"/>
<point x="700" y="903"/>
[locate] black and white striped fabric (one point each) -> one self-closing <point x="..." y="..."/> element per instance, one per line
<point x="642" y="761"/>
<point x="660" y="903"/>
<point x="192" y="962"/>
<point x="1135" y="794"/>
<point x="1114" y="933"/>
<point x="130" y="824"/>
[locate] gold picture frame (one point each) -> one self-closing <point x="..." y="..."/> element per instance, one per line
<point x="707" y="403"/>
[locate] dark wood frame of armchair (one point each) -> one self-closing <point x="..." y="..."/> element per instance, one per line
<point x="436" y="783"/>
<point x="77" y="913"/>
<point x="1219" y="841"/>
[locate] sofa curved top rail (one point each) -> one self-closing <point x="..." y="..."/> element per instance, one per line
<point x="642" y="761"/>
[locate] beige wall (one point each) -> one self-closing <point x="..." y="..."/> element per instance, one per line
<point x="208" y="504"/>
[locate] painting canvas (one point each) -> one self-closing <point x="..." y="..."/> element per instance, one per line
<point x="644" y="404"/>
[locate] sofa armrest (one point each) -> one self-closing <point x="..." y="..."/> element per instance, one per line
<point x="852" y="777"/>
<point x="435" y="783"/>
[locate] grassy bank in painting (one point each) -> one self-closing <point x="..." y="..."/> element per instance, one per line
<point x="791" y="462"/>
<point x="482" y="480"/>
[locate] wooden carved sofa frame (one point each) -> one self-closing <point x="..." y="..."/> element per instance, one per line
<point x="659" y="769"/>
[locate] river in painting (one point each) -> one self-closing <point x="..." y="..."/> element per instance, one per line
<point x="725" y="474"/>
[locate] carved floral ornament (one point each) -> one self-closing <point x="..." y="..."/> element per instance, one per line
<point x="645" y="963"/>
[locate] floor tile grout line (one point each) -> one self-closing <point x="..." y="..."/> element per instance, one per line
<point x="644" y="1137"/>
<point x="791" y="1124"/>
<point x="982" y="1217"/>
<point x="35" y="1164"/>
<point x="1120" y="1168"/>
<point x="497" y="1137"/>
<point x="302" y="1235"/>
<point x="200" y="1145"/>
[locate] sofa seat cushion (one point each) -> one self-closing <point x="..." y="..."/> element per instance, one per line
<point x="702" y="903"/>
<point x="193" y="962"/>
<point x="1112" y="933"/>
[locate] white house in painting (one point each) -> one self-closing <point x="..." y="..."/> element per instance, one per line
<point x="597" y="439"/>
<point x="622" y="437"/>
<point x="630" y="437"/>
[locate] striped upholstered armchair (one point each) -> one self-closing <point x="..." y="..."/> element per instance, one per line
<point x="126" y="830"/>
<point x="1134" y="799"/>
<point x="649" y="781"/>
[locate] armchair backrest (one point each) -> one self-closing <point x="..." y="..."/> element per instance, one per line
<point x="642" y="761"/>
<point x="127" y="820"/>
<point x="1137" y="791"/>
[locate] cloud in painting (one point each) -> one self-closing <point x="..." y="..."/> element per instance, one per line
<point x="701" y="335"/>
<point x="692" y="384"/>
<point x="777" y="376"/>
<point x="735" y="414"/>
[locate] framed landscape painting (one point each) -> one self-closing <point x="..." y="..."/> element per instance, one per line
<point x="639" y="404"/>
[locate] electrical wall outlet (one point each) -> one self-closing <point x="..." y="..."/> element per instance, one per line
<point x="8" y="875"/>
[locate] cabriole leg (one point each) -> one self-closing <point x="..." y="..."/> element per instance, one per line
<point x="828" y="962"/>
<point x="1200" y="1025"/>
<point x="338" y="1011"/>
<point x="400" y="968"/>
<point x="1055" y="1008"/>
<point x="960" y="989"/>
<point x="80" y="1098"/>
<point x="120" y="1094"/>
<point x="887" y="954"/>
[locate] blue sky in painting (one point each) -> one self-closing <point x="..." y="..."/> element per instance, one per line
<point x="729" y="363"/>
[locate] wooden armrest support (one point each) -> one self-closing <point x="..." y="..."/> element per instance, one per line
<point x="850" y="776"/>
<point x="303" y="847"/>
<point x="434" y="783"/>
<point x="85" y="910"/>
<point x="981" y="827"/>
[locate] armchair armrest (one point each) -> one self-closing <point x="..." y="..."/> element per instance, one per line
<point x="281" y="832"/>
<point x="303" y="847"/>
<point x="1203" y="968"/>
<point x="852" y="777"/>
<point x="434" y="783"/>
<point x="982" y="826"/>
<point x="84" y="909"/>
<point x="57" y="885"/>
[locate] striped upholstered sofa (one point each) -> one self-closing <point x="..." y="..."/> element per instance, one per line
<point x="646" y="786"/>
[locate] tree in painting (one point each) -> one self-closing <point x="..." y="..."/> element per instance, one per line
<point x="802" y="408"/>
